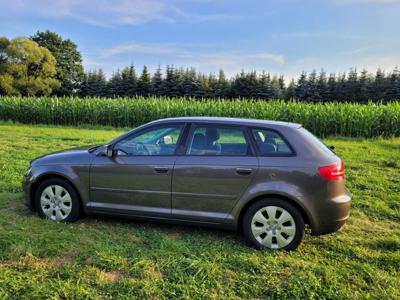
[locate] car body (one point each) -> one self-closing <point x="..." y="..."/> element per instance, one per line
<point x="201" y="170"/>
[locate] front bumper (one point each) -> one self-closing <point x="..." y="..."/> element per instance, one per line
<point x="26" y="186"/>
<point x="333" y="214"/>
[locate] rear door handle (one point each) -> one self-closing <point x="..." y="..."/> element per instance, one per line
<point x="244" y="171"/>
<point x="161" y="170"/>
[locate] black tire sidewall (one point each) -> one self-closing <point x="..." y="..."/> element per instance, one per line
<point x="76" y="204"/>
<point x="297" y="217"/>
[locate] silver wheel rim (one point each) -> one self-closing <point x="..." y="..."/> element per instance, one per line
<point x="273" y="227"/>
<point x="56" y="202"/>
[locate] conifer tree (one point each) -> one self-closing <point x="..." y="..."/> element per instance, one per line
<point x="322" y="86"/>
<point x="394" y="83"/>
<point x="277" y="93"/>
<point x="364" y="83"/>
<point x="290" y="92"/>
<point x="379" y="86"/>
<point x="264" y="90"/>
<point x="352" y="86"/>
<point x="202" y="83"/>
<point x="101" y="83"/>
<point x="312" y="92"/>
<point x="239" y="86"/>
<point x="144" y="82"/>
<point x="129" y="81"/>
<point x="222" y="87"/>
<point x="331" y="87"/>
<point x="114" y="85"/>
<point x="340" y="91"/>
<point x="170" y="84"/>
<point x="156" y="86"/>
<point x="94" y="84"/>
<point x="212" y="86"/>
<point x="301" y="87"/>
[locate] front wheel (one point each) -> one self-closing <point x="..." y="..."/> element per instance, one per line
<point x="273" y="224"/>
<point x="57" y="200"/>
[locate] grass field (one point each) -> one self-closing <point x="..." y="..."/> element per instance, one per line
<point x="98" y="258"/>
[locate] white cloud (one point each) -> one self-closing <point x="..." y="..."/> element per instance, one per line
<point x="105" y="13"/>
<point x="195" y="54"/>
<point x="342" y="63"/>
<point x="143" y="48"/>
<point x="301" y="34"/>
<point x="188" y="51"/>
<point x="202" y="57"/>
<point x="317" y="35"/>
<point x="234" y="62"/>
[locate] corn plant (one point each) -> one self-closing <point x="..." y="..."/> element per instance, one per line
<point x="323" y="119"/>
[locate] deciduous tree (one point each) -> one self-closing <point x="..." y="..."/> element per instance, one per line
<point x="69" y="61"/>
<point x="26" y="68"/>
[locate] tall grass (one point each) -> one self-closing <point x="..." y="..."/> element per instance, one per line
<point x="346" y="119"/>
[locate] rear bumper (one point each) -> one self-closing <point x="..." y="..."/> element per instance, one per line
<point x="333" y="214"/>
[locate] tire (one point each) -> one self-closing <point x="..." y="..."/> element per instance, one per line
<point x="56" y="199"/>
<point x="261" y="231"/>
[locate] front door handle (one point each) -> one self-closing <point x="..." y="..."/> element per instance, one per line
<point x="161" y="170"/>
<point x="244" y="171"/>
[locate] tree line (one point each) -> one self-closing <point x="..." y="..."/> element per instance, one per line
<point x="47" y="64"/>
<point x="313" y="87"/>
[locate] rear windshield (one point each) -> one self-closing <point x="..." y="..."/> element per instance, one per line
<point x="316" y="141"/>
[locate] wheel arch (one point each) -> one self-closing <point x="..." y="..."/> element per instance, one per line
<point x="45" y="177"/>
<point x="306" y="217"/>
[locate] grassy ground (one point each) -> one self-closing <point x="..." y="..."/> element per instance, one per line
<point x="104" y="258"/>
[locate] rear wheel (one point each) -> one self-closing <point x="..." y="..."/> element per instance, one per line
<point x="57" y="200"/>
<point x="273" y="224"/>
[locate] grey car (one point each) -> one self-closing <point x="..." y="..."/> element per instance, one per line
<point x="269" y="179"/>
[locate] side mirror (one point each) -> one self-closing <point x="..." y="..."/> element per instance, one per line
<point x="110" y="151"/>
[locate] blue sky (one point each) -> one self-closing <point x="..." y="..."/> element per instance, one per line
<point x="279" y="36"/>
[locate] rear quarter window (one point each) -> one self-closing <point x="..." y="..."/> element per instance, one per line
<point x="316" y="141"/>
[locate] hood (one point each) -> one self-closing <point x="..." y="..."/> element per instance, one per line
<point x="80" y="155"/>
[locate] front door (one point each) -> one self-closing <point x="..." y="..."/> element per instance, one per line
<point x="137" y="179"/>
<point x="216" y="170"/>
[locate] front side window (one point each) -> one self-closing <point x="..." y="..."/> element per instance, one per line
<point x="161" y="140"/>
<point x="270" y="142"/>
<point x="218" y="140"/>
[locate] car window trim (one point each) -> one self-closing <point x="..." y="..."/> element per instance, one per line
<point x="181" y="145"/>
<point x="293" y="154"/>
<point x="193" y="125"/>
<point x="150" y="127"/>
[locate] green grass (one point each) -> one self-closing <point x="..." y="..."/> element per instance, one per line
<point x="324" y="119"/>
<point x="98" y="258"/>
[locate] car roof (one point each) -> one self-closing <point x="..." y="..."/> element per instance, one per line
<point x="230" y="121"/>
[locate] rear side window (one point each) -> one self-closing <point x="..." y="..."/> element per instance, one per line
<point x="316" y="141"/>
<point x="270" y="142"/>
<point x="217" y="140"/>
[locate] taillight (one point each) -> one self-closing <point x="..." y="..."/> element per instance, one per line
<point x="332" y="172"/>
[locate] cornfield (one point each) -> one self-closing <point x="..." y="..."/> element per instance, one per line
<point x="323" y="119"/>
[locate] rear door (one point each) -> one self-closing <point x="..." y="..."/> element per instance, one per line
<point x="217" y="169"/>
